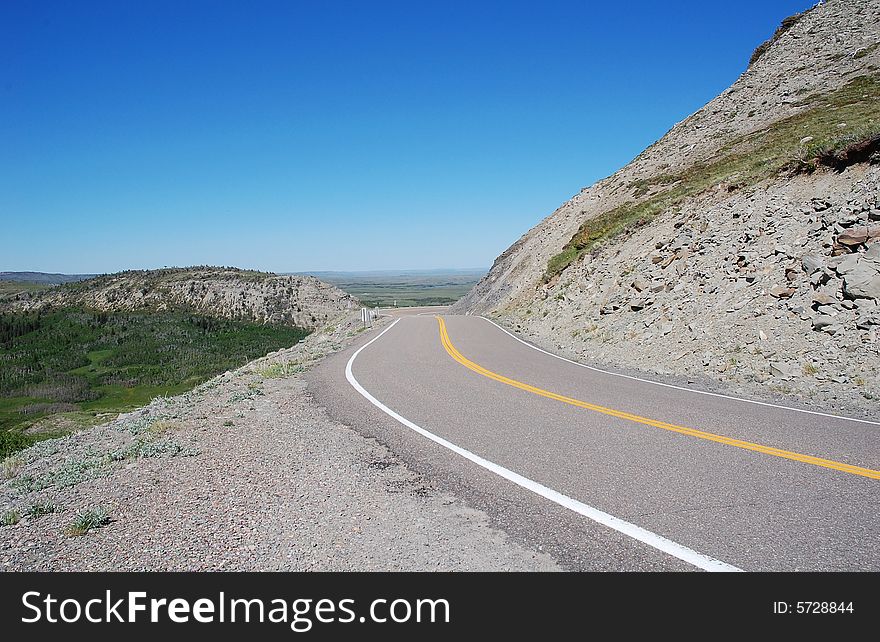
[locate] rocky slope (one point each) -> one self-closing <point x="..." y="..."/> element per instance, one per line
<point x="741" y="246"/>
<point x="245" y="472"/>
<point x="228" y="293"/>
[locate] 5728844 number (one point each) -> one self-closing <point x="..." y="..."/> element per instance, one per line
<point x="812" y="608"/>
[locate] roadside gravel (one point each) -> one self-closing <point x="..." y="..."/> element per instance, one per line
<point x="246" y="472"/>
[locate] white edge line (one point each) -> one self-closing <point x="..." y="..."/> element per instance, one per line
<point x="653" y="540"/>
<point x="669" y="385"/>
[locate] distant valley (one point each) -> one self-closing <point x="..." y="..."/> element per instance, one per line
<point x="45" y="278"/>
<point x="405" y="288"/>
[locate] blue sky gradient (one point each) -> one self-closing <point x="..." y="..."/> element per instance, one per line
<point x="292" y="136"/>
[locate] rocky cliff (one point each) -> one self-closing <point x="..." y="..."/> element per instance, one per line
<point x="742" y="246"/>
<point x="228" y="293"/>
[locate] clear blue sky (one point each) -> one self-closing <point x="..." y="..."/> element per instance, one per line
<point x="325" y="135"/>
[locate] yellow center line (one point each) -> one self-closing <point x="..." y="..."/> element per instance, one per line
<point x="693" y="432"/>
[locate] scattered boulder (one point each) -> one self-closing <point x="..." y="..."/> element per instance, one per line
<point x="852" y="237"/>
<point x="782" y="370"/>
<point x="848" y="264"/>
<point x="780" y="292"/>
<point x="858" y="235"/>
<point x="811" y="263"/>
<point x="865" y="321"/>
<point x="863" y="280"/>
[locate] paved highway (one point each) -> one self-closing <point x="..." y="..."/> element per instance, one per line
<point x="609" y="472"/>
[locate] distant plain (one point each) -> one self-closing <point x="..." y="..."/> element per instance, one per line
<point x="405" y="288"/>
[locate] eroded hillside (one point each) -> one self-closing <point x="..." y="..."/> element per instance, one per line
<point x="738" y="247"/>
<point x="226" y="293"/>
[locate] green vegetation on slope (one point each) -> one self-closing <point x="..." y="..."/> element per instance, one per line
<point x="744" y="161"/>
<point x="64" y="368"/>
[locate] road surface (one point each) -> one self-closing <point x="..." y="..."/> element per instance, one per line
<point x="609" y="472"/>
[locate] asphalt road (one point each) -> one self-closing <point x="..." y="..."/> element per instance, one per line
<point x="670" y="479"/>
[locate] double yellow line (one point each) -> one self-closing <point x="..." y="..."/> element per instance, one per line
<point x="692" y="432"/>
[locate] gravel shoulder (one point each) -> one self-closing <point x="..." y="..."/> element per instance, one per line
<point x="246" y="472"/>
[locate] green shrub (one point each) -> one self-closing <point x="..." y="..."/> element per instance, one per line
<point x="88" y="520"/>
<point x="40" y="508"/>
<point x="12" y="441"/>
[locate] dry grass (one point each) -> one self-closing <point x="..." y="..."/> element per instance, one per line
<point x="10" y="467"/>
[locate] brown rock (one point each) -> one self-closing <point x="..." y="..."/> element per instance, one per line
<point x="853" y="237"/>
<point x="780" y="292"/>
<point x="820" y="298"/>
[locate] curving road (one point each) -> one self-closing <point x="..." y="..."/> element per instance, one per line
<point x="605" y="471"/>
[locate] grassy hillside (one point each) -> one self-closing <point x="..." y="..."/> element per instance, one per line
<point x="66" y="368"/>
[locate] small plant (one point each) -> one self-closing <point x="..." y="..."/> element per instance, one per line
<point x="40" y="508"/>
<point x="87" y="520"/>
<point x="10" y="467"/>
<point x="147" y="448"/>
<point x="24" y="484"/>
<point x="278" y="370"/>
<point x="810" y="369"/>
<point x="161" y="427"/>
<point x="228" y="423"/>
<point x="10" y="518"/>
<point x="253" y="391"/>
